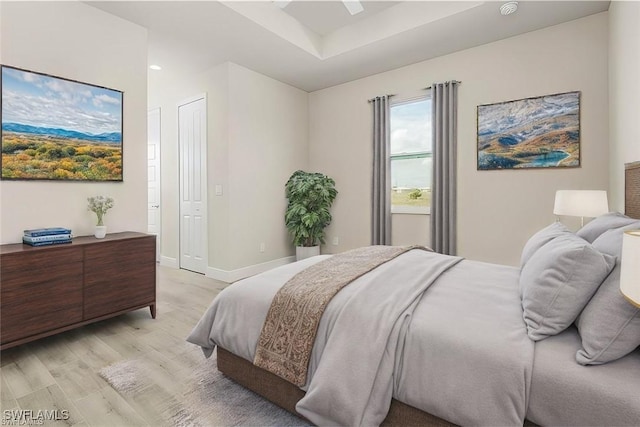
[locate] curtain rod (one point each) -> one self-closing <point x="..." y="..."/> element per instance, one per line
<point x="373" y="99"/>
<point x="452" y="81"/>
<point x="426" y="88"/>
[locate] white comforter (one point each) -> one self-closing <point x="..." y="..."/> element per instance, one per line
<point x="457" y="349"/>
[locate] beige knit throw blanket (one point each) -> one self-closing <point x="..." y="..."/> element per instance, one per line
<point x="289" y="332"/>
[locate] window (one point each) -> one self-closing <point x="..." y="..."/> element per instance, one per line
<point x="411" y="160"/>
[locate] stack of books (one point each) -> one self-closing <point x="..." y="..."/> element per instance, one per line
<point x="46" y="236"/>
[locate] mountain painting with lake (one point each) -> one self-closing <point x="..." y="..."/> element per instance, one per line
<point x="59" y="129"/>
<point x="541" y="132"/>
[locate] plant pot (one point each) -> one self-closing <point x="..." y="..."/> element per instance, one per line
<point x="101" y="231"/>
<point x="303" y="252"/>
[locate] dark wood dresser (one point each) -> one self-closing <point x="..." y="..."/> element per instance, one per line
<point x="50" y="289"/>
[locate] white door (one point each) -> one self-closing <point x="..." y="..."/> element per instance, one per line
<point x="192" y="130"/>
<point x="153" y="176"/>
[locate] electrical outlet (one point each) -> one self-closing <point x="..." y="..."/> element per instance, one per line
<point x="262" y="247"/>
<point x="336" y="241"/>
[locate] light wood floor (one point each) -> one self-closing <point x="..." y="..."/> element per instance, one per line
<point x="61" y="372"/>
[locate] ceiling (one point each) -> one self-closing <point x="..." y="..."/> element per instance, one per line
<point x="317" y="44"/>
<point x="324" y="17"/>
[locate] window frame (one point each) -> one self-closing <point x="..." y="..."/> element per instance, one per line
<point x="409" y="210"/>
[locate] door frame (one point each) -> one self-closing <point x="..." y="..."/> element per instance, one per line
<point x="159" y="183"/>
<point x="205" y="189"/>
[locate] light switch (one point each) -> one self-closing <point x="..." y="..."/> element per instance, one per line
<point x="218" y="190"/>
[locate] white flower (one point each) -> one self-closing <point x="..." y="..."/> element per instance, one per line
<point x="100" y="205"/>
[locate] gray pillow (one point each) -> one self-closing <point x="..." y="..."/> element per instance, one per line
<point x="542" y="237"/>
<point x="558" y="281"/>
<point x="599" y="225"/>
<point x="609" y="325"/>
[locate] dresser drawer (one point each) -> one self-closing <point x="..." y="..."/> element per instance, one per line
<point x="39" y="299"/>
<point x="119" y="275"/>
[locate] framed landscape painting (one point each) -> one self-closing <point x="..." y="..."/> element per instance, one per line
<point x="541" y="132"/>
<point x="59" y="129"/>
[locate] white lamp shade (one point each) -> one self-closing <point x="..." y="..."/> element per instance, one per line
<point x="630" y="265"/>
<point x="584" y="203"/>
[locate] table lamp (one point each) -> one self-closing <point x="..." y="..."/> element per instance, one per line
<point x="630" y="266"/>
<point x="582" y="203"/>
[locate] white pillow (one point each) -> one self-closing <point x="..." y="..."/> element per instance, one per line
<point x="542" y="237"/>
<point x="558" y="281"/>
<point x="595" y="228"/>
<point x="609" y="325"/>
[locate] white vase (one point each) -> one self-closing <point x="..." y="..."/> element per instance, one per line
<point x="101" y="231"/>
<point x="303" y="252"/>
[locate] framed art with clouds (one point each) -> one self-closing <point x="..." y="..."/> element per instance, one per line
<point x="59" y="129"/>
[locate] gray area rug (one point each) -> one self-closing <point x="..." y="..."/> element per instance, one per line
<point x="201" y="396"/>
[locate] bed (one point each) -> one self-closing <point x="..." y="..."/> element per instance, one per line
<point x="485" y="369"/>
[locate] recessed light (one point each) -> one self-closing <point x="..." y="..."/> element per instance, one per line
<point x="155" y="67"/>
<point x="509" y="7"/>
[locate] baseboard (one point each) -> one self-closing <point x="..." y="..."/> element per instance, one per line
<point x="230" y="276"/>
<point x="169" y="262"/>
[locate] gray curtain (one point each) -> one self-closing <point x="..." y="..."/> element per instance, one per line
<point x="381" y="197"/>
<point x="443" y="185"/>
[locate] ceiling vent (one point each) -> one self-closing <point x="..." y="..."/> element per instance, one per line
<point x="509" y="8"/>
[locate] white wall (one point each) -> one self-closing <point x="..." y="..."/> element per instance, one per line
<point x="257" y="134"/>
<point x="166" y="93"/>
<point x="78" y="42"/>
<point x="267" y="142"/>
<point x="497" y="210"/>
<point x="624" y="94"/>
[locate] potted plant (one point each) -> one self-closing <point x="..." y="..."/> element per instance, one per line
<point x="100" y="205"/>
<point x="310" y="196"/>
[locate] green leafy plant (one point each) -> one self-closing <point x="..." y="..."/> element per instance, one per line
<point x="310" y="198"/>
<point x="415" y="194"/>
<point x="99" y="205"/>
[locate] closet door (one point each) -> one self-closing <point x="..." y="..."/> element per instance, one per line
<point x="192" y="124"/>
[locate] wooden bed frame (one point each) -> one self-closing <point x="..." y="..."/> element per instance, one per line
<point x="286" y="395"/>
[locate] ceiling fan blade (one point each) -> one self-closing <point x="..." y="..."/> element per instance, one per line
<point x="353" y="6"/>
<point x="282" y="3"/>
